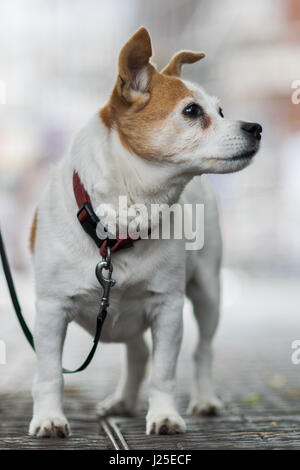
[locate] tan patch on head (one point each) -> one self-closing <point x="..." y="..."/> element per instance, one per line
<point x="136" y="128"/>
<point x="143" y="98"/>
<point x="33" y="232"/>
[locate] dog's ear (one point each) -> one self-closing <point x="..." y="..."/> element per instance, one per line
<point x="182" y="57"/>
<point x="134" y="68"/>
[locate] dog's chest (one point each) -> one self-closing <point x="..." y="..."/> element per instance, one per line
<point x="127" y="312"/>
<point x="143" y="278"/>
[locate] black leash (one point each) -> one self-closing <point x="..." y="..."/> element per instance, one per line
<point x="106" y="283"/>
<point x="13" y="294"/>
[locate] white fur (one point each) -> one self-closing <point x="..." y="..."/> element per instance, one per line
<point x="152" y="278"/>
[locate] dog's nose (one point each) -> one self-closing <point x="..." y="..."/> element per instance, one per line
<point x="252" y="128"/>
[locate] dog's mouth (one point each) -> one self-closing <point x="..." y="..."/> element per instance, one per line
<point x="231" y="164"/>
<point x="241" y="156"/>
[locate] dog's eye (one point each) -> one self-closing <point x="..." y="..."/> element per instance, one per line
<point x="221" y="112"/>
<point x="193" y="111"/>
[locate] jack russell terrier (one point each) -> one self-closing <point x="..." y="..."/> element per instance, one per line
<point x="152" y="142"/>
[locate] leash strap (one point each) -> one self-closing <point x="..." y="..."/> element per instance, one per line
<point x="13" y="294"/>
<point x="105" y="282"/>
<point x="100" y="320"/>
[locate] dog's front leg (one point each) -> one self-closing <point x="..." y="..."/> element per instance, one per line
<point x="166" y="329"/>
<point x="50" y="328"/>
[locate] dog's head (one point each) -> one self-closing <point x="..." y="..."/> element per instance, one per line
<point x="161" y="117"/>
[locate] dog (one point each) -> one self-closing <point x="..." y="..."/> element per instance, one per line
<point x="153" y="141"/>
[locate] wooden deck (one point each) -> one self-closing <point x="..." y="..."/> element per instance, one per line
<point x="254" y="374"/>
<point x="256" y="426"/>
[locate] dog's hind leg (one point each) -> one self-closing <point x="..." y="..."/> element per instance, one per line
<point x="124" y="400"/>
<point x="50" y="329"/>
<point x="204" y="292"/>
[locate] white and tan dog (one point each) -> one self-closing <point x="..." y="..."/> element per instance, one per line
<point x="151" y="142"/>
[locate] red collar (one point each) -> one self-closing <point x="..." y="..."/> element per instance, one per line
<point x="89" y="220"/>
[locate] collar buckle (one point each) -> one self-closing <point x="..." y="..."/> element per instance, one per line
<point x="89" y="221"/>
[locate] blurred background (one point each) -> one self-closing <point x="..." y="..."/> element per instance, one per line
<point x="58" y="63"/>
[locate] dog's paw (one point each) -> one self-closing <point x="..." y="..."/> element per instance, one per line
<point x="49" y="426"/>
<point x="211" y="406"/>
<point x="163" y="423"/>
<point x="112" y="406"/>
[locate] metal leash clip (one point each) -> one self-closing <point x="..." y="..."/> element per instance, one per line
<point x="106" y="282"/>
